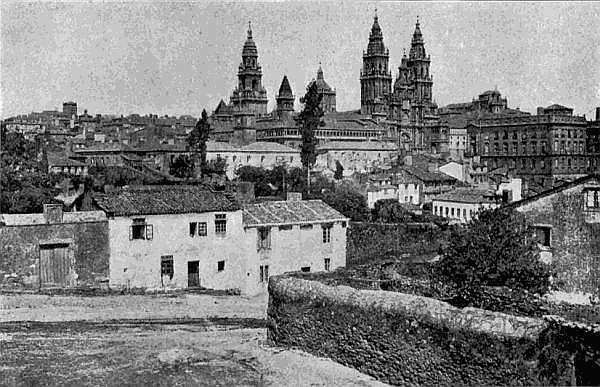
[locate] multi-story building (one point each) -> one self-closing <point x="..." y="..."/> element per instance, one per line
<point x="541" y="148"/>
<point x="191" y="236"/>
<point x="70" y="109"/>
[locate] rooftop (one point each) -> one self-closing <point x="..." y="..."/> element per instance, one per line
<point x="37" y="219"/>
<point x="164" y="199"/>
<point x="289" y="212"/>
<point x="426" y="176"/>
<point x="467" y="196"/>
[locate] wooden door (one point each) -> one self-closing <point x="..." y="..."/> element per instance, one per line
<point x="193" y="274"/>
<point x="55" y="265"/>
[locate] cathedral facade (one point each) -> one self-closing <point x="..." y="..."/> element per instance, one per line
<point x="409" y="106"/>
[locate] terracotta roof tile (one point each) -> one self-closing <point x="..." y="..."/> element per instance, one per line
<point x="289" y="212"/>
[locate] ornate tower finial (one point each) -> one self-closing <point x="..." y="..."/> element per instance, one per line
<point x="249" y="29"/>
<point x="375" y="12"/>
<point x="417" y="19"/>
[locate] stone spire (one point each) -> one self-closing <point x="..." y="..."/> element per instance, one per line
<point x="249" y="50"/>
<point x="376" y="45"/>
<point x="285" y="97"/>
<point x="320" y="72"/>
<point x="417" y="46"/>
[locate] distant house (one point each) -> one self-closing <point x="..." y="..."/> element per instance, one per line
<point x="292" y="235"/>
<point x="462" y="204"/>
<point x="175" y="237"/>
<point x="422" y="184"/>
<point x="54" y="249"/>
<point x="566" y="222"/>
<point x="355" y="156"/>
<point x="62" y="164"/>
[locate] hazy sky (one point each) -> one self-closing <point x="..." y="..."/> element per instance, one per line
<point x="178" y="58"/>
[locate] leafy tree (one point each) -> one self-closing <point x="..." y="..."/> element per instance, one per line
<point x="182" y="167"/>
<point x="391" y="211"/>
<point x="349" y="202"/>
<point x="310" y="117"/>
<point x="199" y="136"/>
<point x="217" y="166"/>
<point x="339" y="171"/>
<point x="258" y="176"/>
<point x="495" y="249"/>
<point x="25" y="185"/>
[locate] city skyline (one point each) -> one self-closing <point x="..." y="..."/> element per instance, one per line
<point x="181" y="58"/>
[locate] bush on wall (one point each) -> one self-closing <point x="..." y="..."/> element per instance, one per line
<point x="495" y="249"/>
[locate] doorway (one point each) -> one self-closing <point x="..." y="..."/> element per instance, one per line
<point x="56" y="265"/>
<point x="193" y="274"/>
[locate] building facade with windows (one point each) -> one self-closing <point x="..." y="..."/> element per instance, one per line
<point x="542" y="148"/>
<point x="566" y="223"/>
<point x="462" y="205"/>
<point x="174" y="237"/>
<point x="291" y="235"/>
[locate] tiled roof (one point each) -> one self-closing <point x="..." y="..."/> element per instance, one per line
<point x="165" y="199"/>
<point x="36" y="219"/>
<point x="358" y="145"/>
<point x="467" y="196"/>
<point x="427" y="176"/>
<point x="289" y="212"/>
<point x="263" y="146"/>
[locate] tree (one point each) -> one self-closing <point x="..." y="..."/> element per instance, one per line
<point x="310" y="117"/>
<point x="495" y="249"/>
<point x="390" y="211"/>
<point x="349" y="202"/>
<point x="198" y="137"/>
<point x="217" y="166"/>
<point x="339" y="171"/>
<point x="182" y="167"/>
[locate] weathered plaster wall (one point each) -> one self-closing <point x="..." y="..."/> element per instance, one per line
<point x="575" y="243"/>
<point x="293" y="249"/>
<point x="406" y="339"/>
<point x="20" y="253"/>
<point x="137" y="263"/>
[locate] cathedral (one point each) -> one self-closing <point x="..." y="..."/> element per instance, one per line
<point x="404" y="114"/>
<point x="409" y="106"/>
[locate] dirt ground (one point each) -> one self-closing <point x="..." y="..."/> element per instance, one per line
<point x="132" y="340"/>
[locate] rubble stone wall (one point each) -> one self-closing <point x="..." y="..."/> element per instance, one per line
<point x="20" y="251"/>
<point x="406" y="339"/>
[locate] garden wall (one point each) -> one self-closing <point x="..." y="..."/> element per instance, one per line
<point x="368" y="242"/>
<point x="406" y="339"/>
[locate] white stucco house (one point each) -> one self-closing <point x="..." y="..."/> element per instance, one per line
<point x="190" y="236"/>
<point x="463" y="204"/>
<point x="292" y="235"/>
<point x="173" y="237"/>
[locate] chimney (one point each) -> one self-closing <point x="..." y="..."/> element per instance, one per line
<point x="294" y="196"/>
<point x="53" y="213"/>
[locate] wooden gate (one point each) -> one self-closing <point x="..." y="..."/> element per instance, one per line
<point x="56" y="265"/>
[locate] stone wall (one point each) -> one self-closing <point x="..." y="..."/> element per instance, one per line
<point x="407" y="339"/>
<point x="368" y="242"/>
<point x="575" y="242"/>
<point x="20" y="252"/>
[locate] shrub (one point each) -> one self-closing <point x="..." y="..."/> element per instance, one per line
<point x="495" y="249"/>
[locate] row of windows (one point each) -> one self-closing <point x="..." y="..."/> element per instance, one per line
<point x="451" y="212"/>
<point x="533" y="164"/>
<point x="524" y="135"/>
<point x="142" y="230"/>
<point x="264" y="234"/>
<point x="234" y="158"/>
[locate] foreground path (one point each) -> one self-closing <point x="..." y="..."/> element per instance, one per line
<point x="33" y="307"/>
<point x="157" y="341"/>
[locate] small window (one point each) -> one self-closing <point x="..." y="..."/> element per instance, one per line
<point x="344" y="224"/>
<point x="592" y="199"/>
<point x="305" y="269"/>
<point x="543" y="235"/>
<point x="220" y="265"/>
<point x="220" y="224"/>
<point x="193" y="229"/>
<point x="285" y="227"/>
<point x="327" y="264"/>
<point x="306" y="226"/>
<point x="264" y="238"/>
<point x="166" y="266"/>
<point x="141" y="230"/>
<point x="202" y="229"/>
<point x="264" y="273"/>
<point x="326" y="233"/>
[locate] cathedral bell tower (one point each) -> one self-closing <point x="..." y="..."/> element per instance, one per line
<point x="418" y="63"/>
<point x="375" y="78"/>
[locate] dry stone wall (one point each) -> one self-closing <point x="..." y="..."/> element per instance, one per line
<point x="408" y="339"/>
